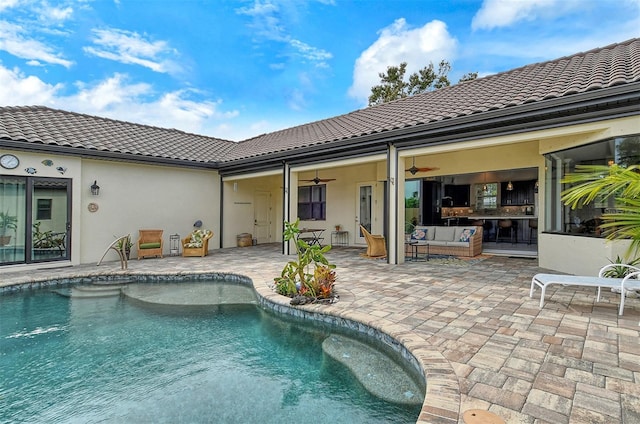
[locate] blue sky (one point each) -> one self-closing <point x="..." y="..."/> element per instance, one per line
<point x="237" y="69"/>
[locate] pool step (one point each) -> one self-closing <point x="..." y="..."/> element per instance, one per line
<point x="378" y="373"/>
<point x="92" y="291"/>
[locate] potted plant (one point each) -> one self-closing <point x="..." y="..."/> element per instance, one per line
<point x="7" y="222"/>
<point x="311" y="277"/>
<point x="127" y="246"/>
<point x="338" y="227"/>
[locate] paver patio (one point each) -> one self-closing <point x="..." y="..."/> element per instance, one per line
<point x="483" y="342"/>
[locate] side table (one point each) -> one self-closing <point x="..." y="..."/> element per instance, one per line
<point x="340" y="238"/>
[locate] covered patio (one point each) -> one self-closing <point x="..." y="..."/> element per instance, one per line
<point x="484" y="344"/>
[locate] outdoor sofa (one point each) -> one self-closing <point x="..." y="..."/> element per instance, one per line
<point x="445" y="240"/>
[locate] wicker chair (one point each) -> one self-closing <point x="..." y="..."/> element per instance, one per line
<point x="376" y="244"/>
<point x="196" y="243"/>
<point x="150" y="243"/>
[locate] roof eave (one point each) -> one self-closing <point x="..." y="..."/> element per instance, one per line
<point x="579" y="108"/>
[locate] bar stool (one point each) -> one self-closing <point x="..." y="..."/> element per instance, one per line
<point x="533" y="228"/>
<point x="505" y="225"/>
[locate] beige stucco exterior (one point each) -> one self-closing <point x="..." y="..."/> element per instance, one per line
<point x="136" y="196"/>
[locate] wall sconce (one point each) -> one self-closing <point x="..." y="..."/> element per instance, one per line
<point x="509" y="186"/>
<point x="95" y="188"/>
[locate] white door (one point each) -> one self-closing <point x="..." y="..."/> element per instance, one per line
<point x="262" y="217"/>
<point x="365" y="199"/>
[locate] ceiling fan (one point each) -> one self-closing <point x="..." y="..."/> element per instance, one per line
<point x="318" y="180"/>
<point x="415" y="169"/>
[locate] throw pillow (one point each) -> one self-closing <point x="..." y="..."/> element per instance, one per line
<point x="419" y="234"/>
<point x="467" y="233"/>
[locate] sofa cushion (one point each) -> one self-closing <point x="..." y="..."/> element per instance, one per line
<point x="431" y="233"/>
<point x="445" y="233"/>
<point x="196" y="239"/>
<point x="419" y="234"/>
<point x="154" y="245"/>
<point x="458" y="244"/>
<point x="465" y="234"/>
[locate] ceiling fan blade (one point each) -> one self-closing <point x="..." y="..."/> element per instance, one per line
<point x="414" y="170"/>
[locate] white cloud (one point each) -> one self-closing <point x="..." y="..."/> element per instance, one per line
<point x="504" y="13"/>
<point x="131" y="48"/>
<point x="118" y="98"/>
<point x="50" y="15"/>
<point x="19" y="89"/>
<point x="313" y="54"/>
<point x="399" y="43"/>
<point x="267" y="24"/>
<point x="8" y="4"/>
<point x="13" y="41"/>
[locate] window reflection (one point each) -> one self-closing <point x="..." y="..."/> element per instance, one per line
<point x="624" y="151"/>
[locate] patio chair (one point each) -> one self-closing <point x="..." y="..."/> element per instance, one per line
<point x="196" y="243"/>
<point x="376" y="244"/>
<point x="150" y="243"/>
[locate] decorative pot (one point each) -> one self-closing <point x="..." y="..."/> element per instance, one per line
<point x="4" y="240"/>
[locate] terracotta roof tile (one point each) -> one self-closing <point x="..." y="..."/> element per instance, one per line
<point x="36" y="124"/>
<point x="593" y="70"/>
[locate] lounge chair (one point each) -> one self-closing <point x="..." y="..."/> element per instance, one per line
<point x="376" y="244"/>
<point x="630" y="281"/>
<point x="150" y="243"/>
<point x="196" y="243"/>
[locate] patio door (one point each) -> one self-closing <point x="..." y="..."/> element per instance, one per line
<point x="365" y="199"/>
<point x="35" y="219"/>
<point x="262" y="217"/>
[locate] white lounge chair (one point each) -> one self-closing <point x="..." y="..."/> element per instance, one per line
<point x="630" y="281"/>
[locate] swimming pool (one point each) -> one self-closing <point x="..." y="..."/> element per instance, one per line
<point x="145" y="359"/>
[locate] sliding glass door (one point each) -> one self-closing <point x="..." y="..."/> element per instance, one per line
<point x="35" y="219"/>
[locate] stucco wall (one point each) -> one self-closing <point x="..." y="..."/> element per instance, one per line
<point x="239" y="207"/>
<point x="135" y="196"/>
<point x="578" y="255"/>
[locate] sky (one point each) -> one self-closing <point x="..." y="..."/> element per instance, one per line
<point x="238" y="69"/>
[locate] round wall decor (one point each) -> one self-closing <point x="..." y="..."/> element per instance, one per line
<point x="9" y="161"/>
<point x="92" y="207"/>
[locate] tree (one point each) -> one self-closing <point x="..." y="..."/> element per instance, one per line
<point x="602" y="181"/>
<point x="393" y="85"/>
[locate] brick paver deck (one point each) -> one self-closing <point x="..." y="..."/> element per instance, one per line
<point x="483" y="343"/>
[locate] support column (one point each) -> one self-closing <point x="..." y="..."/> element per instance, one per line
<point x="392" y="205"/>
<point x="286" y="203"/>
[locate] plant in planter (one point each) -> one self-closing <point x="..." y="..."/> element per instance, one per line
<point x="127" y="246"/>
<point x="310" y="278"/>
<point x="7" y="222"/>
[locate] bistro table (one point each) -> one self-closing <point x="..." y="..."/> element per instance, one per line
<point x="311" y="236"/>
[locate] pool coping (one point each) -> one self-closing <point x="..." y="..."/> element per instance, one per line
<point x="442" y="394"/>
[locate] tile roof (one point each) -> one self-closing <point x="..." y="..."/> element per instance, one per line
<point x="42" y="125"/>
<point x="593" y="70"/>
<point x="597" y="69"/>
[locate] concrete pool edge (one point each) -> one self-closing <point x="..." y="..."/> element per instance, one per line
<point x="442" y="399"/>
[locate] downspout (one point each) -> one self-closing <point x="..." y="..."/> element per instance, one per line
<point x="220" y="218"/>
<point x="392" y="222"/>
<point x="286" y="202"/>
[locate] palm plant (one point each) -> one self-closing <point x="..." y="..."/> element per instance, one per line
<point x="602" y="181"/>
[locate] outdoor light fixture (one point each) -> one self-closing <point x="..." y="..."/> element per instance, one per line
<point x="95" y="188"/>
<point x="509" y="186"/>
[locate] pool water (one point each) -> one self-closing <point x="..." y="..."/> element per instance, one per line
<point x="113" y="360"/>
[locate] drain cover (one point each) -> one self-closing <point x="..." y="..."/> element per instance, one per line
<point x="480" y="416"/>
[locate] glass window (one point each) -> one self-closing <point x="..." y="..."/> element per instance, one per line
<point x="312" y="202"/>
<point x="44" y="209"/>
<point x="585" y="221"/>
